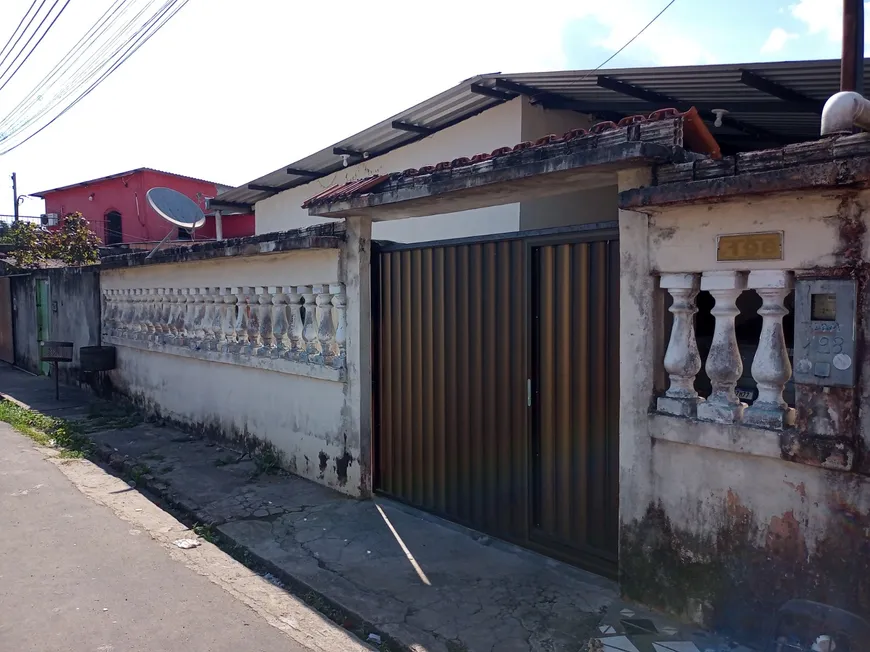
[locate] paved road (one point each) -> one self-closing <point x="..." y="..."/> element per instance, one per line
<point x="74" y="577"/>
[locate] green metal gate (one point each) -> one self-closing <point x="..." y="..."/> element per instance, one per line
<point x="43" y="320"/>
<point x="496" y="386"/>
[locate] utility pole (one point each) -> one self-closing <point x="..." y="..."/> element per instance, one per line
<point x="852" y="61"/>
<point x="15" y="196"/>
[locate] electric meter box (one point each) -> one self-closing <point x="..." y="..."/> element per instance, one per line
<point x="825" y="332"/>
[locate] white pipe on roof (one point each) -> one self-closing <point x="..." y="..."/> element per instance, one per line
<point x="843" y="111"/>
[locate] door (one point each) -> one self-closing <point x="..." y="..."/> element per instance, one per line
<point x="7" y="350"/>
<point x="451" y="382"/>
<point x="114" y="234"/>
<point x="575" y="417"/>
<point x="496" y="386"/>
<point x="43" y="320"/>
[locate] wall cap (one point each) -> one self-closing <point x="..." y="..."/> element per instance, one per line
<point x="319" y="236"/>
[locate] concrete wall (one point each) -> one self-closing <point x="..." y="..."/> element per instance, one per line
<point x="504" y="125"/>
<point x="715" y="525"/>
<point x="582" y="207"/>
<point x="75" y="293"/>
<point x="311" y="417"/>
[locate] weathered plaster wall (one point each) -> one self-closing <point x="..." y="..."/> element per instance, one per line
<point x="722" y="537"/>
<point x="76" y="291"/>
<point x="315" y="424"/>
<point x="504" y="125"/>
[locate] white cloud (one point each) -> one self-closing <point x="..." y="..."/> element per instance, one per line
<point x="777" y="40"/>
<point x="822" y="16"/>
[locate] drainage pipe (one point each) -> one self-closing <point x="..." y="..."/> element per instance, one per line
<point x="843" y="111"/>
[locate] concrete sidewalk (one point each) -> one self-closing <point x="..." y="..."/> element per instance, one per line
<point x="415" y="581"/>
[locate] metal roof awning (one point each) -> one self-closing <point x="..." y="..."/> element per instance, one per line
<point x="760" y="105"/>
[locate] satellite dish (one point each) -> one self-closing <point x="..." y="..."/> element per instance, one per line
<point x="176" y="208"/>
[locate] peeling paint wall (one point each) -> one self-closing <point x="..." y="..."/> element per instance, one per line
<point x="725" y="537"/>
<point x="312" y="423"/>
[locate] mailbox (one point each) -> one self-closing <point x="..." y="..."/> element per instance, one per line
<point x="825" y="332"/>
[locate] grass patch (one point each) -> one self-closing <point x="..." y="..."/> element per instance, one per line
<point x="109" y="416"/>
<point x="61" y="434"/>
<point x="205" y="532"/>
<point x="267" y="461"/>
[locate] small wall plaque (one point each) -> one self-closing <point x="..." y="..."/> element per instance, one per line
<point x="749" y="246"/>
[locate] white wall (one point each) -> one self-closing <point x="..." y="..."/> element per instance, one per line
<point x="504" y="125"/>
<point x="303" y="413"/>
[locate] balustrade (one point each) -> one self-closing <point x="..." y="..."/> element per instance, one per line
<point x="304" y="324"/>
<point x="771" y="368"/>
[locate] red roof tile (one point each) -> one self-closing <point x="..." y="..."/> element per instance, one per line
<point x="341" y="191"/>
<point x="696" y="135"/>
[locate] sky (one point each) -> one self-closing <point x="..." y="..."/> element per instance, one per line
<point x="231" y="90"/>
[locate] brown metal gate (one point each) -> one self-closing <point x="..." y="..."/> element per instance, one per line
<point x="7" y="349"/>
<point x="496" y="386"/>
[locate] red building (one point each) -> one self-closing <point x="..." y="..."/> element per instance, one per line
<point x="117" y="210"/>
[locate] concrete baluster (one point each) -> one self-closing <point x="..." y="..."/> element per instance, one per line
<point x="159" y="307"/>
<point x="124" y="321"/>
<point x="209" y="296"/>
<point x="325" y="325"/>
<point x="771" y="367"/>
<point x="252" y="338"/>
<point x="724" y="364"/>
<point x="294" y="321"/>
<point x="170" y="304"/>
<point x="682" y="360"/>
<point x="178" y="316"/>
<point x="264" y="319"/>
<point x="217" y="320"/>
<point x="309" y="329"/>
<point x="339" y="301"/>
<point x="227" y="317"/>
<point x="197" y="329"/>
<point x="135" y="325"/>
<point x="148" y="314"/>
<point x="241" y="319"/>
<point x="279" y="321"/>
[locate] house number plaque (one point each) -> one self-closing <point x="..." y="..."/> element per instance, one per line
<point x="749" y="246"/>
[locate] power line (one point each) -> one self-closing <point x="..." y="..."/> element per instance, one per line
<point x="64" y="64"/>
<point x="86" y="71"/>
<point x="80" y="77"/>
<point x="36" y="45"/>
<point x="133" y="43"/>
<point x="15" y="31"/>
<point x="24" y="31"/>
<point x="630" y="41"/>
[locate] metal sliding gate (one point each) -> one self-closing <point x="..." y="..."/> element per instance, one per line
<point x="497" y="389"/>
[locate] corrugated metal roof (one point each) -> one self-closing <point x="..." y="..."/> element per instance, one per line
<point x="756" y="118"/>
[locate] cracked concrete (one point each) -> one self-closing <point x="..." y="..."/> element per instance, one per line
<point x="452" y="590"/>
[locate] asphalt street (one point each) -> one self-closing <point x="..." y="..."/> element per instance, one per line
<point x="75" y="577"/>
